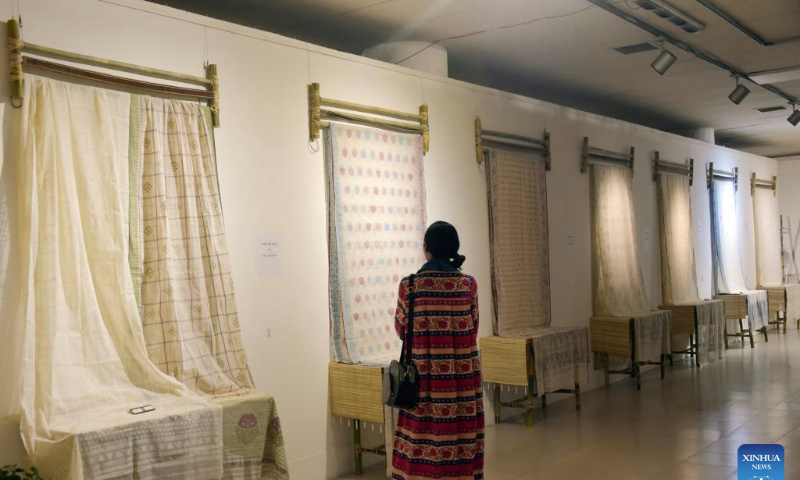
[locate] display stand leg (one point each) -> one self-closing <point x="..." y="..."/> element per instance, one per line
<point x="529" y="406"/>
<point x="663" y="365"/>
<point x="544" y="400"/>
<point x="357" y="448"/>
<point x="577" y="397"/>
<point x="766" y="337"/>
<point x="605" y="369"/>
<point x="497" y="404"/>
<point x="638" y="374"/>
<point x="741" y="331"/>
<point x="725" y="323"/>
<point x="696" y="343"/>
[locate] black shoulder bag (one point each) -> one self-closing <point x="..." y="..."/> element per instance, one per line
<point x="401" y="379"/>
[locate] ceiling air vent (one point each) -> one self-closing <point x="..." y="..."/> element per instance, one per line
<point x="771" y="109"/>
<point x="672" y="14"/>
<point x="635" y="48"/>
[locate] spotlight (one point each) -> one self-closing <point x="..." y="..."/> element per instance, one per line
<point x="739" y="93"/>
<point x="663" y="61"/>
<point x="794" y="118"/>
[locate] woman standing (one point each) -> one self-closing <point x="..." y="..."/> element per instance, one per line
<point x="442" y="437"/>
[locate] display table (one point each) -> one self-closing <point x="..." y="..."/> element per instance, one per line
<point x="355" y="393"/>
<point x="697" y="329"/>
<point x="550" y="360"/>
<point x="622" y="345"/>
<point x="741" y="306"/>
<point x="784" y="305"/>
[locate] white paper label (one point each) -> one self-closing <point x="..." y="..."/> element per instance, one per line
<point x="269" y="255"/>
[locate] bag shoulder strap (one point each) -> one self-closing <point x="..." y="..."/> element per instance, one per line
<point x="408" y="342"/>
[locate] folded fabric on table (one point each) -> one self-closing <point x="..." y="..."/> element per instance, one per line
<point x="560" y="357"/>
<point x="792" y="302"/>
<point x="757" y="308"/>
<point x="710" y="330"/>
<point x="652" y="339"/>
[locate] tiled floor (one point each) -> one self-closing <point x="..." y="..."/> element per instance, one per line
<point x="688" y="426"/>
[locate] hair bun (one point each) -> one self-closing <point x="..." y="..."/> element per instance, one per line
<point x="458" y="260"/>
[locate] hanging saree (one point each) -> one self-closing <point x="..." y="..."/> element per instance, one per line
<point x="82" y="362"/>
<point x="181" y="263"/>
<point x="616" y="275"/>
<point x="376" y="205"/>
<point x="728" y="276"/>
<point x="678" y="277"/>
<point x="519" y="252"/>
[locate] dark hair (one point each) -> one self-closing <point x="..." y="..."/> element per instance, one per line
<point x="441" y="240"/>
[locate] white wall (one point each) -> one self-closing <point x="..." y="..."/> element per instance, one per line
<point x="789" y="202"/>
<point x="272" y="181"/>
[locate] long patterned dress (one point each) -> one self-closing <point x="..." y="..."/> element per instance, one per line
<point x="443" y="436"/>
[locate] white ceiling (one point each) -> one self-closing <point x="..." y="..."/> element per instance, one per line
<point x="560" y="51"/>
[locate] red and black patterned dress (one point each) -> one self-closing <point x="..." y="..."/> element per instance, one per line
<point x="443" y="436"/>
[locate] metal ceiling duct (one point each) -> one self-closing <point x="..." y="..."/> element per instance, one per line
<point x="686" y="46"/>
<point x="672" y="14"/>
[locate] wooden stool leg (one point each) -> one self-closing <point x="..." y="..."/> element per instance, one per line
<point x="497" y="404"/>
<point x="577" y="396"/>
<point x="605" y="370"/>
<point x="357" y="447"/>
<point x="544" y="400"/>
<point x="638" y="374"/>
<point x="663" y="365"/>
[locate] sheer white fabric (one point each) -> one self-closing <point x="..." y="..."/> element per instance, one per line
<point x="728" y="276"/>
<point x="678" y="282"/>
<point x="678" y="277"/>
<point x="768" y="238"/>
<point x="82" y="359"/>
<point x="617" y="277"/>
<point x="618" y="284"/>
<point x="727" y="257"/>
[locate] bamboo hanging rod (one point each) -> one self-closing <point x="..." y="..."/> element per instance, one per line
<point x="319" y="117"/>
<point x="591" y="155"/>
<point x="662" y="166"/>
<point x="17" y="63"/>
<point x="501" y="140"/>
<point x="111" y="79"/>
<point x="761" y="183"/>
<point x="713" y="175"/>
